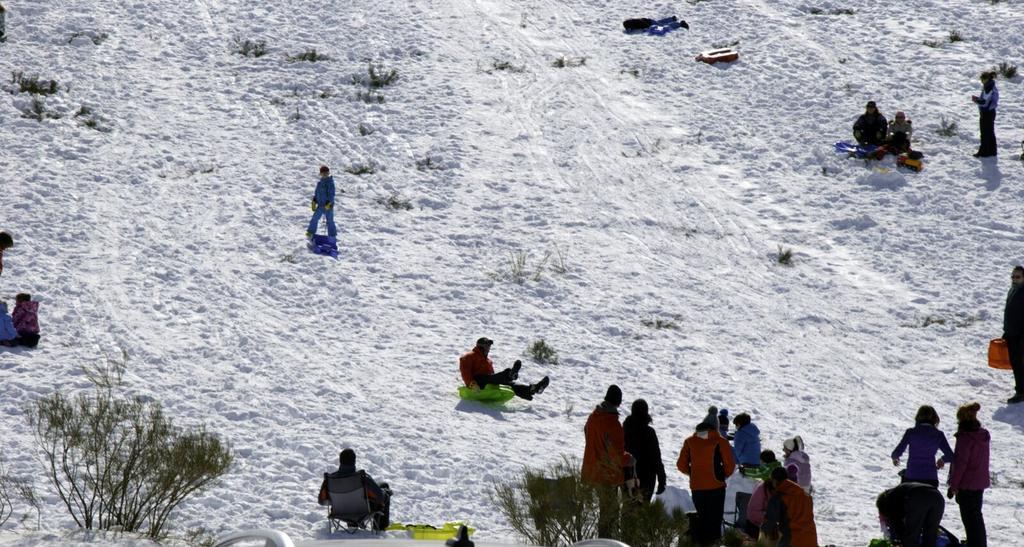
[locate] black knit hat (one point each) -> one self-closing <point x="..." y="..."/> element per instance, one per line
<point x="613" y="396"/>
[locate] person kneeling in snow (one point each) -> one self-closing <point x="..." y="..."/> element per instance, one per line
<point x="910" y="512"/>
<point x="478" y="371"/>
<point x="379" y="496"/>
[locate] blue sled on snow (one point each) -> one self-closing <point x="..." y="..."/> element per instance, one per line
<point x="860" y="151"/>
<point x="324" y="245"/>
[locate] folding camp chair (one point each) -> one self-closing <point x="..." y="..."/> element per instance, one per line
<point x="350" y="506"/>
<point x="739" y="512"/>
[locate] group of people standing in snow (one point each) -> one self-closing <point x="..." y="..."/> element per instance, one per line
<point x="624" y="461"/>
<point x="20" y="327"/>
<point x="911" y="512"/>
<point x="871" y="127"/>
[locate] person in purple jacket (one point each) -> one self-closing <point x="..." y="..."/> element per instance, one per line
<point x="968" y="476"/>
<point x="924" y="440"/>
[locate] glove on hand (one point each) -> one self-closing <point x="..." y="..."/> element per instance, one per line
<point x="329" y="206"/>
<point x="312" y="205"/>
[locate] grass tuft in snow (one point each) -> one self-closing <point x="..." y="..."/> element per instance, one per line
<point x="395" y="202"/>
<point x="542" y="352"/>
<point x="359" y="169"/>
<point x="955" y="36"/>
<point x="785" y="256"/>
<point x="428" y="164"/>
<point x="87" y="117"/>
<point x="659" y="324"/>
<point x="250" y="48"/>
<point x="365" y="129"/>
<point x="96" y="38"/>
<point x="310" y="56"/>
<point x="380" y="76"/>
<point x="834" y="11"/>
<point x="369" y="97"/>
<point x="569" y="62"/>
<point x="946" y="128"/>
<point x="932" y="43"/>
<point x="506" y="66"/>
<point x="1006" y="70"/>
<point x="37" y="111"/>
<point x="32" y="84"/>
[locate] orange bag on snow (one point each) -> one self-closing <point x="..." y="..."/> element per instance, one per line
<point x="999" y="354"/>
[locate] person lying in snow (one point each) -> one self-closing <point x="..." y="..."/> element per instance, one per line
<point x="26" y="320"/>
<point x="478" y="371"/>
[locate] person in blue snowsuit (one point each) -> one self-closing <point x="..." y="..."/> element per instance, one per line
<point x="323" y="204"/>
<point x="746" y="443"/>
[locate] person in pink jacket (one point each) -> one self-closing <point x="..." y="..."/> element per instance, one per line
<point x="968" y="477"/>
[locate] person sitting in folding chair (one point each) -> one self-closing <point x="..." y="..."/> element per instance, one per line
<point x="355" y="499"/>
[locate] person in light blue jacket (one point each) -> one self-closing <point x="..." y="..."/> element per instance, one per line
<point x="987" y="103"/>
<point x="746" y="442"/>
<point x="323" y="204"/>
<point x="7" y="330"/>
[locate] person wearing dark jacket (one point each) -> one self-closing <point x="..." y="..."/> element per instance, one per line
<point x="924" y="440"/>
<point x="642" y="443"/>
<point x="911" y="511"/>
<point x="871" y="127"/>
<point x="707" y="459"/>
<point x="790" y="513"/>
<point x="378" y="495"/>
<point x="1013" y="331"/>
<point x="969" y="476"/>
<point x="987" y="103"/>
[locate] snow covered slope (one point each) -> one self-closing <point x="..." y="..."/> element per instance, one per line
<point x="173" y="230"/>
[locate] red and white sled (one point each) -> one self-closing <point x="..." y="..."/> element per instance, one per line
<point x="724" y="55"/>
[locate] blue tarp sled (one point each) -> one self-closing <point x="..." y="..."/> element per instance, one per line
<point x="324" y="245"/>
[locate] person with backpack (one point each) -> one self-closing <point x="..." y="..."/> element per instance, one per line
<point x="1013" y="331"/>
<point x="924" y="440"/>
<point x="26" y="320"/>
<point x="706" y="458"/>
<point x="790" y="513"/>
<point x="477" y="372"/>
<point x="797" y="462"/>
<point x="605" y="459"/>
<point x="323" y="204"/>
<point x="871" y="126"/>
<point x="378" y="495"/>
<point x="987" y="103"/>
<point x="642" y="444"/>
<point x="911" y="512"/>
<point x="969" y="474"/>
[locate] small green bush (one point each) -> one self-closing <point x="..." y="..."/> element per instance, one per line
<point x="543" y="353"/>
<point x="560" y="510"/>
<point x="785" y="256"/>
<point x="310" y="55"/>
<point x="251" y="48"/>
<point x="33" y="85"/>
<point x="1007" y="70"/>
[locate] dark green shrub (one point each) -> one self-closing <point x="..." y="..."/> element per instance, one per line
<point x="543" y="353"/>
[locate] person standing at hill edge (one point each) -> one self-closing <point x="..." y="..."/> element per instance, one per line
<point x="987" y="103"/>
<point x="605" y="459"/>
<point x="969" y="476"/>
<point x="478" y="371"/>
<point x="323" y="204"/>
<point x="707" y="459"/>
<point x="1013" y="331"/>
<point x="642" y="443"/>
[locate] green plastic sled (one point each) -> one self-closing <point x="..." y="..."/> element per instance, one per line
<point x="427" y="531"/>
<point x="489" y="394"/>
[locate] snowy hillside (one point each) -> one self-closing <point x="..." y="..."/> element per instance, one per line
<point x="173" y="229"/>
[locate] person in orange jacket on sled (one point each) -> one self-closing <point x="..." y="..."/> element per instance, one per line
<point x="478" y="371"/>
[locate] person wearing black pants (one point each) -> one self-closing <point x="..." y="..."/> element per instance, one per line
<point x="1013" y="331"/>
<point x="710" y="505"/>
<point x="987" y="103"/>
<point x="970" y="502"/>
<point x="912" y="510"/>
<point x="970" y="476"/>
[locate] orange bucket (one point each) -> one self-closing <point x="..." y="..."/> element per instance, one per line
<point x="999" y="354"/>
